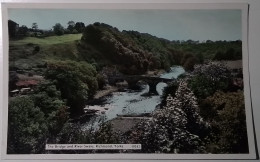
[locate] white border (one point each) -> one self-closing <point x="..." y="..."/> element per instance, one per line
<point x="98" y="5"/>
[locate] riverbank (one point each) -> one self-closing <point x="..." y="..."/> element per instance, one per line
<point x="158" y="72"/>
<point x="108" y="90"/>
<point x="125" y="124"/>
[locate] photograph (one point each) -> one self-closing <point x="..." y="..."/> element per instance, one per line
<point x="126" y="81"/>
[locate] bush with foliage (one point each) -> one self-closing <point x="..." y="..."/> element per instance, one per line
<point x="74" y="133"/>
<point x="101" y="81"/>
<point x="229" y="133"/>
<point x="169" y="90"/>
<point x="230" y="54"/>
<point x="206" y="79"/>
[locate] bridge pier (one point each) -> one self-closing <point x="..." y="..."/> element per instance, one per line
<point x="152" y="88"/>
<point x="133" y="85"/>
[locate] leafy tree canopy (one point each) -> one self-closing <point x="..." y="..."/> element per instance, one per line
<point x="76" y="81"/>
<point x="58" y="29"/>
<point x="27" y="127"/>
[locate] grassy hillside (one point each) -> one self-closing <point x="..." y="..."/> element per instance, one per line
<point x="31" y="52"/>
<point x="68" y="38"/>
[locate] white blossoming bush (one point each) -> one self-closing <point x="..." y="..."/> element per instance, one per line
<point x="213" y="70"/>
<point x="206" y="79"/>
<point x="176" y="128"/>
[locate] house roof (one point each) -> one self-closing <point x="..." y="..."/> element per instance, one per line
<point x="26" y="83"/>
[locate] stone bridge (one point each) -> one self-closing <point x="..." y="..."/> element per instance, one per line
<point x="132" y="81"/>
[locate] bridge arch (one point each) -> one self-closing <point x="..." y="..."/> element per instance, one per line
<point x="160" y="86"/>
<point x="152" y="82"/>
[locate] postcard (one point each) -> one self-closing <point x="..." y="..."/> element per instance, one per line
<point x="127" y="81"/>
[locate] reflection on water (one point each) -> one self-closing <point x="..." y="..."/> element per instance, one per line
<point x="133" y="103"/>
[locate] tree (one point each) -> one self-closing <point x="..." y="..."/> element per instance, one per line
<point x="200" y="58"/>
<point x="92" y="34"/>
<point x="188" y="61"/>
<point x="76" y="81"/>
<point x="34" y="26"/>
<point x="230" y="54"/>
<point x="79" y="26"/>
<point x="74" y="31"/>
<point x="208" y="78"/>
<point x="71" y="25"/>
<point x="219" y="56"/>
<point x="101" y="81"/>
<point x="58" y="29"/>
<point x="23" y="30"/>
<point x="27" y="127"/>
<point x="48" y="99"/>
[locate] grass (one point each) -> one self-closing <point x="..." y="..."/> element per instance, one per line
<point x="22" y="55"/>
<point x="47" y="40"/>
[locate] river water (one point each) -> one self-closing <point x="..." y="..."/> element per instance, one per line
<point x="133" y="102"/>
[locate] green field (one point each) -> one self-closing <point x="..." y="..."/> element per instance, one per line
<point x="22" y="52"/>
<point x="47" y="40"/>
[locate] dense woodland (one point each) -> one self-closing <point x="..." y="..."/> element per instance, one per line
<point x="54" y="73"/>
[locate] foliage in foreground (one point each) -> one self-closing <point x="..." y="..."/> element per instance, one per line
<point x="226" y="112"/>
<point x="176" y="128"/>
<point x="27" y="128"/>
<point x="35" y="118"/>
<point x="75" y="133"/>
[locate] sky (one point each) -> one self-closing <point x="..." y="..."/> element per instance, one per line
<point x="169" y="24"/>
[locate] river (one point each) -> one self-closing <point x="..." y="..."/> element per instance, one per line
<point x="133" y="102"/>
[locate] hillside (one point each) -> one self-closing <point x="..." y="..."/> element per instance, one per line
<point x="31" y="53"/>
<point x="103" y="45"/>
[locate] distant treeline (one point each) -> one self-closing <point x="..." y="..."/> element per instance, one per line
<point x="16" y="31"/>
